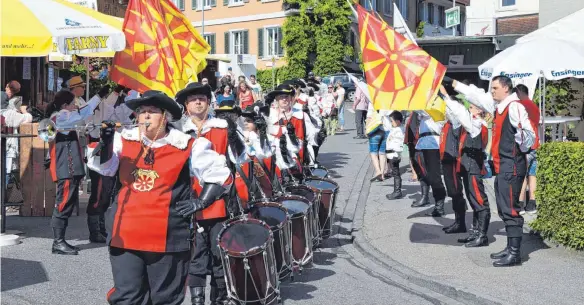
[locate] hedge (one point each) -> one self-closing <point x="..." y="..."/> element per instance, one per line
<point x="560" y="193"/>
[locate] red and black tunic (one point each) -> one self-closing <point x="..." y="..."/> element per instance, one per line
<point x="66" y="157"/>
<point x="472" y="152"/>
<point x="143" y="216"/>
<point x="507" y="156"/>
<point x="449" y="142"/>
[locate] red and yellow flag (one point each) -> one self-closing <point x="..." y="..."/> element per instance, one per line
<point x="163" y="50"/>
<point x="400" y="75"/>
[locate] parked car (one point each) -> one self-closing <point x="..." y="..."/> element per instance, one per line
<point x="348" y="85"/>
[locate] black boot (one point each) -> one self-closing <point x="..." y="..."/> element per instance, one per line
<point x="102" y="229"/>
<point x="438" y="210"/>
<point x="459" y="225"/>
<point x="514" y="256"/>
<point x="425" y="200"/>
<point x="473" y="232"/>
<point x="502" y="253"/>
<point x="198" y="295"/>
<point x="219" y="296"/>
<point x="481" y="240"/>
<point x="59" y="244"/>
<point x="93" y="226"/>
<point x="397" y="193"/>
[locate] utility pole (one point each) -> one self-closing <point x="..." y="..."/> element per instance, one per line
<point x="454" y="27"/>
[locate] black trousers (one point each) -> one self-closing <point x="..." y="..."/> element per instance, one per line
<point x="65" y="201"/>
<point x="507" y="189"/>
<point x="148" y="278"/>
<point x="395" y="167"/>
<point x="101" y="192"/>
<point x="475" y="191"/>
<point x="360" y="116"/>
<point x="453" y="182"/>
<point x="427" y="166"/>
<point x="206" y="257"/>
<point x="315" y="148"/>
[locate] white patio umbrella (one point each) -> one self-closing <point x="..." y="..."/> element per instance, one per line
<point x="551" y="59"/>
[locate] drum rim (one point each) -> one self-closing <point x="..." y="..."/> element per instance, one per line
<point x="335" y="190"/>
<point x="299" y="198"/>
<point x="275" y="205"/>
<point x="251" y="252"/>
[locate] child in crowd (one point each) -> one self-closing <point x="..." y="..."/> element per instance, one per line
<point x="394" y="149"/>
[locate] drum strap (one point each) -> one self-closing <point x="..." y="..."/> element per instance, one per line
<point x="248" y="179"/>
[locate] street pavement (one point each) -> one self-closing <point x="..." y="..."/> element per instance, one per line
<point x="366" y="260"/>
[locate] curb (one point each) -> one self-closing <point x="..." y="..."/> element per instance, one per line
<point x="365" y="248"/>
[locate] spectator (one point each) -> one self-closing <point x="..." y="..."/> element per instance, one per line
<point x="226" y="95"/>
<point x="244" y="95"/>
<point x="323" y="87"/>
<point x="12" y="117"/>
<point x="256" y="88"/>
<point x="377" y="143"/>
<point x="360" y="106"/>
<point x="12" y="89"/>
<point x="530" y="179"/>
<point x="394" y="148"/>
<point x="205" y="81"/>
<point x="328" y="111"/>
<point x="104" y="73"/>
<point x="339" y="95"/>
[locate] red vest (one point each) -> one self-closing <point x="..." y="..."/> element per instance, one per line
<point x="144" y="216"/>
<point x="449" y="139"/>
<point x="507" y="156"/>
<point x="471" y="152"/>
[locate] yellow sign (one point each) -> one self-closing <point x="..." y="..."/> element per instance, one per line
<point x="86" y="43"/>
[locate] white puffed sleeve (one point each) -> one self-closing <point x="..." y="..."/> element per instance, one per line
<point x="207" y="165"/>
<point x="109" y="168"/>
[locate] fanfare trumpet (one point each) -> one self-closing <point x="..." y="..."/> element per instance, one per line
<point x="48" y="130"/>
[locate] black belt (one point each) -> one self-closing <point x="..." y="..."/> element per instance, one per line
<point x="91" y="139"/>
<point x="427" y="134"/>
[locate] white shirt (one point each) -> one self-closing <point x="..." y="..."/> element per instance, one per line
<point x="76" y="118"/>
<point x="340" y="98"/>
<point x="327" y="103"/>
<point x="204" y="163"/>
<point x="13" y="118"/>
<point x="428" y="125"/>
<point x="395" y="142"/>
<point x="525" y="135"/>
<point x="460" y="116"/>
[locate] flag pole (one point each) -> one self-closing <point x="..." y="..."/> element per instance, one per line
<point x="352" y="9"/>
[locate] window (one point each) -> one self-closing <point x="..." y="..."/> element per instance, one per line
<point x="232" y="2"/>
<point x="387" y="5"/>
<point x="180" y="4"/>
<point x="237" y="38"/>
<point x="422" y="12"/>
<point x="210" y="39"/>
<point x="441" y="16"/>
<point x="197" y="4"/>
<point x="236" y="42"/>
<point x="507" y="2"/>
<point x="402" y="5"/>
<point x="369" y="4"/>
<point x="272" y="42"/>
<point x="431" y="13"/>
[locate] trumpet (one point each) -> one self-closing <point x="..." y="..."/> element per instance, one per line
<point x="48" y="130"/>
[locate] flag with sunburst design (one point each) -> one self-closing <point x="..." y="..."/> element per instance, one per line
<point x="163" y="50"/>
<point x="400" y="75"/>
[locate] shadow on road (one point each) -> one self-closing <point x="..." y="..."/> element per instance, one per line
<point x="17" y="273"/>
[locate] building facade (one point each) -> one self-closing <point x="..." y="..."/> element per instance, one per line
<point x="239" y="27"/>
<point x="432" y="13"/>
<point x="502" y="17"/>
<point x="552" y="10"/>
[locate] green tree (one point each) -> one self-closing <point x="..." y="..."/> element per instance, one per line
<point x="331" y="26"/>
<point x="298" y="40"/>
<point x="559" y="97"/>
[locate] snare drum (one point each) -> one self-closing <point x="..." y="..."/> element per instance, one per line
<point x="311" y="195"/>
<point x="277" y="218"/>
<point x="247" y="254"/>
<point x="319" y="172"/>
<point x="327" y="190"/>
<point x="299" y="210"/>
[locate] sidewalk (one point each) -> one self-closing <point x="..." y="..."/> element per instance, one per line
<point x="404" y="239"/>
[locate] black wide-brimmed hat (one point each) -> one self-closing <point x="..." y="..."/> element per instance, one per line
<point x="313" y="86"/>
<point x="250" y="111"/>
<point x="193" y="89"/>
<point x="157" y="99"/>
<point x="228" y="106"/>
<point x="283" y="88"/>
<point x="296" y="82"/>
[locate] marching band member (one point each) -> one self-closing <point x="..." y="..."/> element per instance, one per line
<point x="513" y="136"/>
<point x="196" y="122"/>
<point x="449" y="143"/>
<point x="259" y="148"/>
<point x="412" y="135"/>
<point x="470" y="165"/>
<point x="282" y="133"/>
<point x="66" y="163"/>
<point x="152" y="209"/>
<point x="427" y="160"/>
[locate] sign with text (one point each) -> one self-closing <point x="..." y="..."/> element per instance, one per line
<point x="452" y="16"/>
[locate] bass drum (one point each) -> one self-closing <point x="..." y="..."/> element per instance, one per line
<point x="327" y="190"/>
<point x="312" y="196"/>
<point x="299" y="209"/>
<point x="247" y="254"/>
<point x="277" y="218"/>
